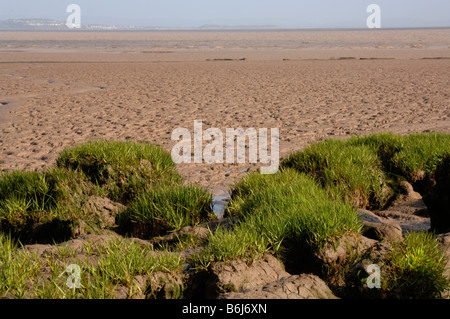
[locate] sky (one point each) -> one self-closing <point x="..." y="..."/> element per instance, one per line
<point x="195" y="13"/>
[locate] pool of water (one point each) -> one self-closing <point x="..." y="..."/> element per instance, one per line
<point x="219" y="203"/>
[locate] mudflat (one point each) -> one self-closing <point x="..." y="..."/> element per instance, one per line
<point x="58" y="89"/>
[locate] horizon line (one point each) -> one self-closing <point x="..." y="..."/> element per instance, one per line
<point x="203" y="27"/>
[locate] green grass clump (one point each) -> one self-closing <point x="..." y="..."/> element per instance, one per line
<point x="408" y="155"/>
<point x="224" y="245"/>
<point x="117" y="263"/>
<point x="15" y="269"/>
<point x="415" y="268"/>
<point x="32" y="198"/>
<point x="352" y="172"/>
<point x="284" y="208"/>
<point x="366" y="170"/>
<point x="121" y="260"/>
<point x="163" y="209"/>
<point x="385" y="145"/>
<point x="55" y="204"/>
<point x="22" y="192"/>
<point x="122" y="169"/>
<point x="421" y="152"/>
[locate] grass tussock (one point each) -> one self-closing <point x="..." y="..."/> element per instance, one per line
<point x="415" y="268"/>
<point x="350" y="171"/>
<point x="160" y="210"/>
<point x="364" y="170"/>
<point x="60" y="203"/>
<point x="287" y="207"/>
<point x="409" y="155"/>
<point x="110" y="266"/>
<point x="36" y="204"/>
<point x="121" y="169"/>
<point x="22" y="193"/>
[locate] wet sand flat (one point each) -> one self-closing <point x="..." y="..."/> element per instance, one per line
<point x="62" y="88"/>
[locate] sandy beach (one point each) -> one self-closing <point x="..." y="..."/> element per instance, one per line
<point x="62" y="88"/>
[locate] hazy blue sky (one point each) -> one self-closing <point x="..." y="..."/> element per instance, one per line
<point x="193" y="13"/>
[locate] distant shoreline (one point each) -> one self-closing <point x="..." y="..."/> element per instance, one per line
<point x="227" y="30"/>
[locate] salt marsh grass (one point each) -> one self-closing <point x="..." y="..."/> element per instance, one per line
<point x="121" y="169"/>
<point x="114" y="264"/>
<point x="363" y="170"/>
<point x="163" y="209"/>
<point x="310" y="202"/>
<point x="415" y="268"/>
<point x="274" y="209"/>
